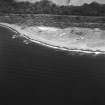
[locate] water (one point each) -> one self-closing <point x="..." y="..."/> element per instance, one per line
<point x="34" y="74"/>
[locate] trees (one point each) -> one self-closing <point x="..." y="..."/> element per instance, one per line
<point x="6" y="6"/>
<point x="48" y="7"/>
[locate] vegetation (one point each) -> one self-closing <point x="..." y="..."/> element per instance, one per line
<point x="48" y="7"/>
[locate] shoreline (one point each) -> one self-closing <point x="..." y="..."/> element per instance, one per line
<point x="6" y="25"/>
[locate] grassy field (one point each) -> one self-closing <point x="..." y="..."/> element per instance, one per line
<point x="61" y="21"/>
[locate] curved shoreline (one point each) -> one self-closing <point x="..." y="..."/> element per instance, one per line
<point x="6" y="25"/>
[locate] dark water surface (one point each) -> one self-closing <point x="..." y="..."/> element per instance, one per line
<point x="33" y="74"/>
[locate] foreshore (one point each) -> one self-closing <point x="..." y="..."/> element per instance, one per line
<point x="48" y="43"/>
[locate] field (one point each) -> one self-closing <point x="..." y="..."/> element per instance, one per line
<point x="61" y="21"/>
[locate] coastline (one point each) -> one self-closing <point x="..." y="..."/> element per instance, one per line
<point x="49" y="44"/>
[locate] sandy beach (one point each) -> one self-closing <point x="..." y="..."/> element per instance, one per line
<point x="84" y="40"/>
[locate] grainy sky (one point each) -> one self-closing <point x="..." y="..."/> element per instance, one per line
<point x="73" y="2"/>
